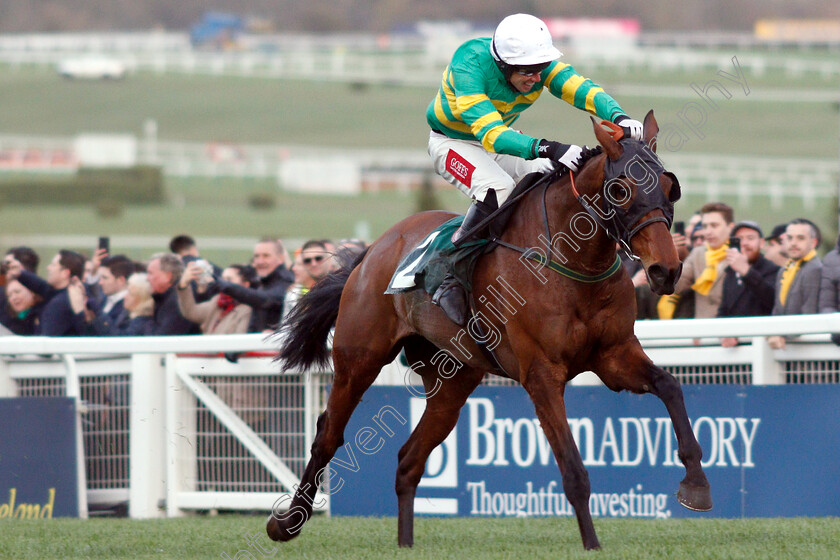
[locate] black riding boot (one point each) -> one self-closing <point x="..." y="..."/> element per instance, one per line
<point x="450" y="295"/>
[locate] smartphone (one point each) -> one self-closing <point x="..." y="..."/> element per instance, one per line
<point x="735" y="243"/>
<point x="105" y="243"/>
<point x="679" y="228"/>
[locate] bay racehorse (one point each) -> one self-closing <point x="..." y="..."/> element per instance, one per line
<point x="546" y="328"/>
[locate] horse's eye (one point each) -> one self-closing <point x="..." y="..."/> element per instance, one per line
<point x="618" y="193"/>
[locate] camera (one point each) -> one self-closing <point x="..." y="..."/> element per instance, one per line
<point x="735" y="243"/>
<point x="206" y="272"/>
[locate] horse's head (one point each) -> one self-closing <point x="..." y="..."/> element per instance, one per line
<point x="638" y="203"/>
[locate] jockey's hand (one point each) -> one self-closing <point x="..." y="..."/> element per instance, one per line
<point x="565" y="154"/>
<point x="636" y="128"/>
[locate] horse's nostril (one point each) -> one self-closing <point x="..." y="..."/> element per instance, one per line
<point x="656" y="274"/>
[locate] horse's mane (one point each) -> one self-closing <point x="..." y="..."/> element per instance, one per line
<point x="589" y="153"/>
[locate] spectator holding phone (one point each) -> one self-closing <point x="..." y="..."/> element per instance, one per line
<point x="705" y="267"/>
<point x="749" y="283"/>
<point x="186" y="248"/>
<point x="222" y="314"/>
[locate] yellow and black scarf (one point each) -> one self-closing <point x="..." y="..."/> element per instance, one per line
<point x="791" y="269"/>
<point x="703" y="284"/>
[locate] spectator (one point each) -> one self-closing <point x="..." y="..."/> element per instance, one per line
<point x="138" y="314"/>
<point x="303" y="283"/>
<point x="186" y="248"/>
<point x="704" y="269"/>
<point x="694" y="221"/>
<point x="111" y="289"/>
<point x="222" y="314"/>
<point x="696" y="237"/>
<point x="20" y="309"/>
<point x="749" y="284"/>
<point x="26" y="256"/>
<point x="317" y="260"/>
<point x="830" y="281"/>
<point x="163" y="272"/>
<point x="348" y="250"/>
<point x="183" y="246"/>
<point x="775" y="248"/>
<point x="798" y="283"/>
<point x="64" y="296"/>
<point x="266" y="295"/>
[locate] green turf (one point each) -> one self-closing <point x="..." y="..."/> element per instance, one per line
<point x="255" y="110"/>
<point x="367" y="538"/>
<point x="262" y="110"/>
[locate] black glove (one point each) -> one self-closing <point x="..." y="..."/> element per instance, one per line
<point x="566" y="154"/>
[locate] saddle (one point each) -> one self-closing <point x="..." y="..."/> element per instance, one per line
<point x="428" y="264"/>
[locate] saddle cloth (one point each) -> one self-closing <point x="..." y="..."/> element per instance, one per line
<point x="428" y="263"/>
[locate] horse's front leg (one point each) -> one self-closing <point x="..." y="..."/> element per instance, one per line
<point x="627" y="367"/>
<point x="545" y="385"/>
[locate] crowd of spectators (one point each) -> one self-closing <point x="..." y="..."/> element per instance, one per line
<point x="172" y="293"/>
<point x="730" y="269"/>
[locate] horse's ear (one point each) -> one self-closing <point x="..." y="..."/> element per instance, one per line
<point x="651" y="129"/>
<point x="611" y="147"/>
<point x="676" y="192"/>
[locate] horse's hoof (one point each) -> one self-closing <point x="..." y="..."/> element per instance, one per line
<point x="695" y="498"/>
<point x="278" y="531"/>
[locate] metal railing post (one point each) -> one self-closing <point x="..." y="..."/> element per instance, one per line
<point x="766" y="369"/>
<point x="147" y="453"/>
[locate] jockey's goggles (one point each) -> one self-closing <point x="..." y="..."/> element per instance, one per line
<point x="531" y="70"/>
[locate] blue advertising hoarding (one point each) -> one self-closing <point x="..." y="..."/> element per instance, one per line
<point x="767" y="451"/>
<point x="38" y="458"/>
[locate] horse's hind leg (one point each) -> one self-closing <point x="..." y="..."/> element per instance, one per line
<point x="627" y="367"/>
<point x="445" y="397"/>
<point x="355" y="370"/>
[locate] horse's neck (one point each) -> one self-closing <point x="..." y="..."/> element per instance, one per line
<point x="575" y="234"/>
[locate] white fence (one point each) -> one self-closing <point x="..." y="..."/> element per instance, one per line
<point x="170" y="426"/>
<point x="409" y="59"/>
<point x="781" y="179"/>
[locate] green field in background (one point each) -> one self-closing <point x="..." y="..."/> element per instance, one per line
<point x="261" y="110"/>
<point x="221" y="209"/>
<point x="36" y="101"/>
<point x="338" y="538"/>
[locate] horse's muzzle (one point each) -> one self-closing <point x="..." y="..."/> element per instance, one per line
<point x="662" y="279"/>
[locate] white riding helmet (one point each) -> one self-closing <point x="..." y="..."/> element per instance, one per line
<point x="523" y="40"/>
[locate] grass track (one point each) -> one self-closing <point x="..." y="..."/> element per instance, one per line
<point x="369" y="538"/>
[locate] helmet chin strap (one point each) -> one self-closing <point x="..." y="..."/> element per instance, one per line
<point x="505" y="68"/>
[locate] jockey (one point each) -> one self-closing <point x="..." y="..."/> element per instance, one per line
<point x="488" y="83"/>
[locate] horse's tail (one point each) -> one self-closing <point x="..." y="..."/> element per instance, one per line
<point x="307" y="327"/>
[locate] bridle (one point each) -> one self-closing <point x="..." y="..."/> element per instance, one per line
<point x="619" y="224"/>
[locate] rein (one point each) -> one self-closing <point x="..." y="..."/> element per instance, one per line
<point x="558" y="267"/>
